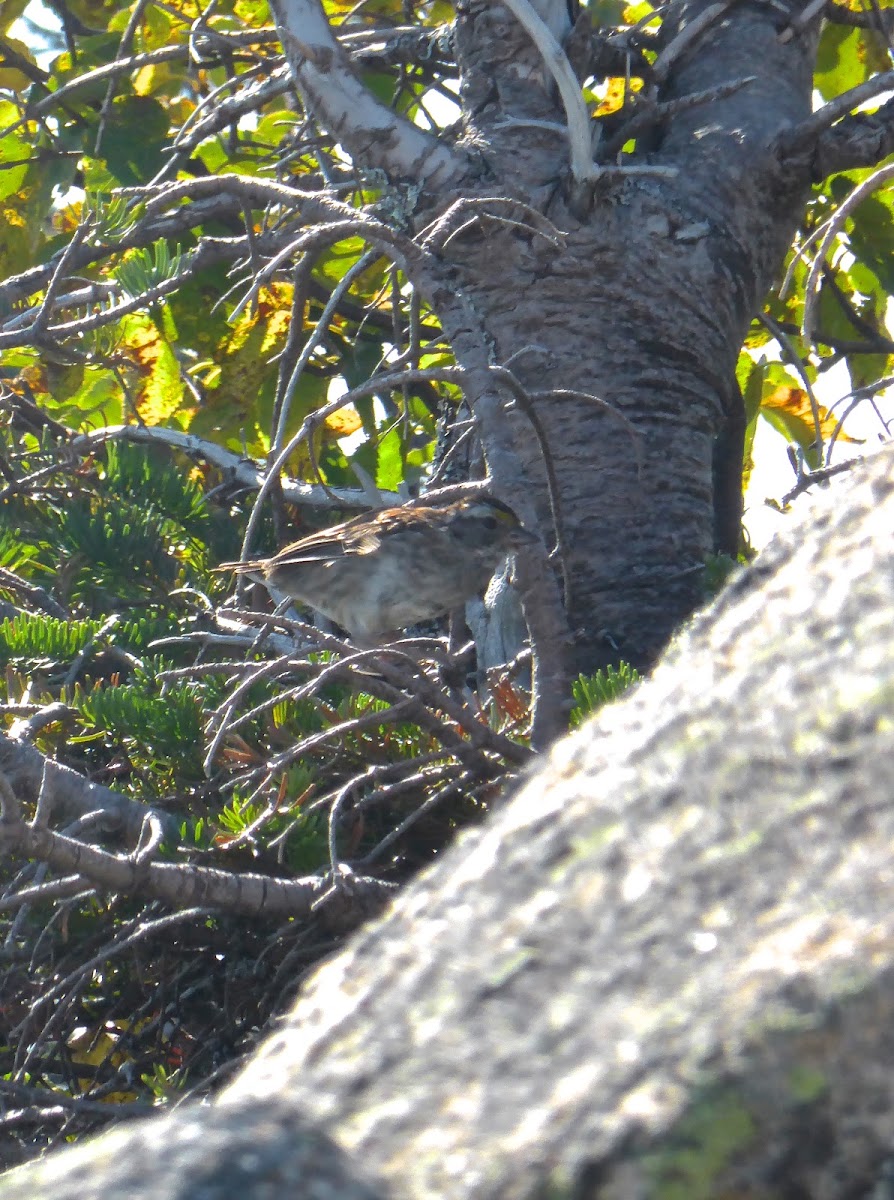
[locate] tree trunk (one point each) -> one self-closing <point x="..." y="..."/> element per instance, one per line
<point x="645" y="303"/>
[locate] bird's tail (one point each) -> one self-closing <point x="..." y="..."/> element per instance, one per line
<point x="241" y="568"/>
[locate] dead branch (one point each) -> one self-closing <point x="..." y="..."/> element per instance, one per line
<point x="181" y="884"/>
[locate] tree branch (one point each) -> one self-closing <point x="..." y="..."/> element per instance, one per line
<point x="373" y="134"/>
<point x="648" y="114"/>
<point x="805" y="135"/>
<point x="73" y="796"/>
<point x="120" y="66"/>
<point x="212" y="207"/>
<point x="183" y="885"/>
<point x="873" y="19"/>
<point x="860" y="140"/>
<point x="243" y="471"/>
<point x="580" y="140"/>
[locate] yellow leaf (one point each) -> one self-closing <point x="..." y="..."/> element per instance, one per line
<point x="159" y="391"/>
<point x="94" y="1047"/>
<point x="149" y="79"/>
<point x="618" y="90"/>
<point x="794" y="404"/>
<point x="12" y="217"/>
<point x="637" y="12"/>
<point x="11" y="76"/>
<point x="344" y="422"/>
<point x="66" y="220"/>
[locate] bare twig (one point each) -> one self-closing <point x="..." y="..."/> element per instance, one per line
<point x="24" y="768"/>
<point x="175" y="883"/>
<point x="831" y="230"/>
<point x="435" y="236"/>
<point x="42" y="318"/>
<point x="124" y="48"/>
<point x="311" y="343"/>
<point x="242" y="471"/>
<point x="322" y="70"/>
<point x="807" y="479"/>
<point x="687" y="37"/>
<point x="32" y="594"/>
<point x="810" y="12"/>
<point x="27" y="729"/>
<point x="659" y="114"/>
<point x="136" y="62"/>
<point x="43" y="1103"/>
<point x="583" y="169"/>
<point x="57" y="889"/>
<point x="872" y="18"/>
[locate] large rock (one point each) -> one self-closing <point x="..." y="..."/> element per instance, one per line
<point x="665" y="968"/>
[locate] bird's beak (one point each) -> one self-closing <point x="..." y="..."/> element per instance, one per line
<point x="523" y="537"/>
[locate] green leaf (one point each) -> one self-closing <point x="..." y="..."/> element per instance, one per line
<point x="136" y="474"/>
<point x="750" y="376"/>
<point x="390" y="461"/>
<point x="340" y="259"/>
<point x="871" y="237"/>
<point x="158" y="729"/>
<point x="145" y="268"/>
<point x="98" y="179"/>
<point x="37" y="638"/>
<point x="840" y="62"/>
<point x="97" y="400"/>
<point x="135" y="138"/>
<point x="15" y="152"/>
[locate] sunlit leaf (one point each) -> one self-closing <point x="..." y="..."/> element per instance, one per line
<point x="255" y="13"/>
<point x="788" y="409"/>
<point x="96" y="402"/>
<point x="12" y="76"/>
<point x="390" y="464"/>
<point x="158" y="387"/>
<point x="618" y="92"/>
<point x="750" y="376"/>
<point x="840" y="60"/>
<point x="10" y="11"/>
<point x="344" y="422"/>
<point x="15" y="154"/>
<point x="341" y="258"/>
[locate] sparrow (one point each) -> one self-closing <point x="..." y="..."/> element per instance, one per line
<point x="379" y="573"/>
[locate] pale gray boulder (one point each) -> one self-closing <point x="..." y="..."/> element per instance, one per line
<point x="664" y="968"/>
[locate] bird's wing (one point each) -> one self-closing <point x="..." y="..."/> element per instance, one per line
<point x="361" y="535"/>
<point x="364" y="534"/>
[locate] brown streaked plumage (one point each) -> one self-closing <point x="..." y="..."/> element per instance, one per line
<point x="378" y="573"/>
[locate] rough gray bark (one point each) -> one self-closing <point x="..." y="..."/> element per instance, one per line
<point x="664" y="968"/>
<point x="643" y="297"/>
<point x="646" y="303"/>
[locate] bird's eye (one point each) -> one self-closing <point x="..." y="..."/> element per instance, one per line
<point x="490" y="522"/>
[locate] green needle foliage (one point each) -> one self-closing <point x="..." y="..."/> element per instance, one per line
<point x="591" y="692"/>
<point x="273" y="763"/>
